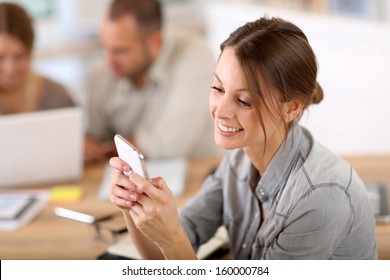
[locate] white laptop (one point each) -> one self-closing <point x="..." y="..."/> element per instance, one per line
<point x="41" y="147"/>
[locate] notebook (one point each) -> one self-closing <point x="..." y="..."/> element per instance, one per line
<point x="41" y="147"/>
<point x="18" y="208"/>
<point x="126" y="248"/>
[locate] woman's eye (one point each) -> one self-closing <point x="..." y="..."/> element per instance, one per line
<point x="217" y="89"/>
<point x="244" y="103"/>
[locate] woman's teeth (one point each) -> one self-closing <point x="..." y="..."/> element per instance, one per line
<point x="228" y="129"/>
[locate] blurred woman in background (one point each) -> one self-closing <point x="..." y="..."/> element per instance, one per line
<point x="21" y="89"/>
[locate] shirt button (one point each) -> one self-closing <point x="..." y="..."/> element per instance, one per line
<point x="256" y="215"/>
<point x="261" y="191"/>
<point x="244" y="246"/>
<point x="262" y="195"/>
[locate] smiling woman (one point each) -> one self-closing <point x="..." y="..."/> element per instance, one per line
<point x="279" y="193"/>
<point x="288" y="66"/>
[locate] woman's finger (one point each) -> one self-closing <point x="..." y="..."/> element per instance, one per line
<point x="119" y="164"/>
<point x="145" y="186"/>
<point x="160" y="183"/>
<point x="123" y="193"/>
<point x="119" y="179"/>
<point x="120" y="201"/>
<point x="136" y="210"/>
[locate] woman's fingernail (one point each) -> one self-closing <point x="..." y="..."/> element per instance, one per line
<point x="126" y="168"/>
<point x="133" y="197"/>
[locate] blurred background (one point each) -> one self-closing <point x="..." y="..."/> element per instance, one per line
<point x="351" y="39"/>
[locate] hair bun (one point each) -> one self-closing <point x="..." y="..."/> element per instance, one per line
<point x="317" y="95"/>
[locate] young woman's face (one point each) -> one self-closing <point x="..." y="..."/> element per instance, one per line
<point x="235" y="119"/>
<point x="14" y="62"/>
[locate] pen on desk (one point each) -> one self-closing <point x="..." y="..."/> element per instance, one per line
<point x="81" y="217"/>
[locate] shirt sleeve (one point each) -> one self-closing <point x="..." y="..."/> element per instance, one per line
<point x="314" y="227"/>
<point x="202" y="215"/>
<point x="184" y="117"/>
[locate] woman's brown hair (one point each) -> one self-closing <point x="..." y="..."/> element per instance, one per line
<point x="278" y="64"/>
<point x="15" y="21"/>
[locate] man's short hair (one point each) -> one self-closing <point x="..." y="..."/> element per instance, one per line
<point x="147" y="12"/>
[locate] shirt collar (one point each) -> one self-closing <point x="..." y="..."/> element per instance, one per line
<point x="282" y="163"/>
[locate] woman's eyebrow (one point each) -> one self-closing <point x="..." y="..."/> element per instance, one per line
<point x="237" y="90"/>
<point x="216" y="76"/>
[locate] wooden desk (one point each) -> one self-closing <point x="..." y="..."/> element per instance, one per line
<point x="52" y="237"/>
<point x="376" y="168"/>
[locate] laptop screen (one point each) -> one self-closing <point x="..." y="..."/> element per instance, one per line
<point x="41" y="147"/>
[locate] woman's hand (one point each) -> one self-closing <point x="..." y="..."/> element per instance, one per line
<point x="151" y="204"/>
<point x="122" y="193"/>
<point x="154" y="212"/>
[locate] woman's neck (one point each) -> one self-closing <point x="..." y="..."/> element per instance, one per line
<point x="261" y="157"/>
<point x="23" y="98"/>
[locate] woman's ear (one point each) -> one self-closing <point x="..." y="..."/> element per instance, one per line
<point x="291" y="110"/>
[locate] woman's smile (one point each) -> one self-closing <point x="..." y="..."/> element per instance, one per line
<point x="228" y="130"/>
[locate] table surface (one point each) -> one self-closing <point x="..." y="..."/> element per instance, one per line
<point x="52" y="237"/>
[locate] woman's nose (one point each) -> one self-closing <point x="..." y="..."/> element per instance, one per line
<point x="224" y="108"/>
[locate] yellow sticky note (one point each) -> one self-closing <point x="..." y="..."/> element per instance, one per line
<point x="66" y="193"/>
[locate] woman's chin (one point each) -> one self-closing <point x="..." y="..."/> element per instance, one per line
<point x="225" y="145"/>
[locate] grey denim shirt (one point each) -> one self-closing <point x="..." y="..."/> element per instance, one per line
<point x="315" y="206"/>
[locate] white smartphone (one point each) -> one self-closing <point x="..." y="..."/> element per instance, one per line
<point x="128" y="153"/>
